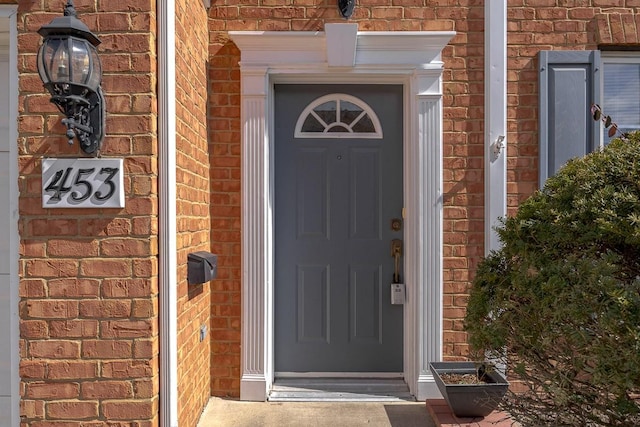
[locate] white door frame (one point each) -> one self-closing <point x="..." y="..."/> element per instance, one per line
<point x="341" y="54"/>
<point x="9" y="44"/>
<point x="167" y="220"/>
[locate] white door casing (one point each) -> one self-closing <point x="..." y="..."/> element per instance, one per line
<point x="341" y="54"/>
<point x="9" y="332"/>
<point x="5" y="244"/>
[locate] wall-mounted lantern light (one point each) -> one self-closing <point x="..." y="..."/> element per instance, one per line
<point x="70" y="69"/>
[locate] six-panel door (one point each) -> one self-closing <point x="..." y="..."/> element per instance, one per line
<point x="338" y="186"/>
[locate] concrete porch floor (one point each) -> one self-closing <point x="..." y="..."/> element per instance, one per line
<point x="227" y="413"/>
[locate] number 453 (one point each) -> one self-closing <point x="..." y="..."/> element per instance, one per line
<point x="63" y="182"/>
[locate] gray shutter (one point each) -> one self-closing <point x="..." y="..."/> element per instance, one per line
<point x="569" y="84"/>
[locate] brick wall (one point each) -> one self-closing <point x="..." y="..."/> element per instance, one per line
<point x="88" y="277"/>
<point x="224" y="141"/>
<point x="533" y="25"/>
<point x="463" y="145"/>
<point x="542" y="25"/>
<point x="463" y="159"/>
<point x="194" y="198"/>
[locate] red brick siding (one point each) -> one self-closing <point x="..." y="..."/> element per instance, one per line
<point x="194" y="198"/>
<point x="540" y="25"/>
<point x="532" y="26"/>
<point x="463" y="129"/>
<point x="73" y="307"/>
<point x="88" y="278"/>
<point x="463" y="160"/>
<point x="224" y="141"/>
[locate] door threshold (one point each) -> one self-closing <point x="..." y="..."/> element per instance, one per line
<point x="396" y="375"/>
<point x="345" y="389"/>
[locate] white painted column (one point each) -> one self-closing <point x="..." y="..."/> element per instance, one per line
<point x="425" y="223"/>
<point x="495" y="121"/>
<point x="168" y="253"/>
<point x="256" y="238"/>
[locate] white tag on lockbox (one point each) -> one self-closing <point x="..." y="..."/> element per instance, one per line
<point x="397" y="293"/>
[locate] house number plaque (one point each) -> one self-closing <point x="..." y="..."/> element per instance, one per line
<point x="82" y="183"/>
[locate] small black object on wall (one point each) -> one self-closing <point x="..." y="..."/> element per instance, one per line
<point x="346" y="8"/>
<point x="202" y="266"/>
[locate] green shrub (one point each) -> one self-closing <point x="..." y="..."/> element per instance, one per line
<point x="561" y="299"/>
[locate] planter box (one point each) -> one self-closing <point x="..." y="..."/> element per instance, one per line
<point x="470" y="400"/>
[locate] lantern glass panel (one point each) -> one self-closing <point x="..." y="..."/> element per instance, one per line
<point x="80" y="64"/>
<point x="56" y="60"/>
<point x="95" y="75"/>
<point x="42" y="69"/>
<point x="52" y="61"/>
<point x="69" y="60"/>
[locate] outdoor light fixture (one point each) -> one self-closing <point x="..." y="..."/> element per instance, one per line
<point x="70" y="69"/>
<point x="346" y="7"/>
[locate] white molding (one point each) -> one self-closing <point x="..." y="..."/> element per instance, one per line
<point x="341" y="44"/>
<point x="419" y="49"/>
<point x="256" y="255"/>
<point x="411" y="59"/>
<point x="428" y="233"/>
<point x="495" y="120"/>
<point x="8" y="26"/>
<point x="400" y="51"/>
<point x="338" y="98"/>
<point x="372" y="375"/>
<point x="167" y="239"/>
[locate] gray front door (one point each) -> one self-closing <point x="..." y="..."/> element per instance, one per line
<point x="338" y="186"/>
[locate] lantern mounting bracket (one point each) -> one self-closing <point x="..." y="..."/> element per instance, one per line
<point x="85" y="118"/>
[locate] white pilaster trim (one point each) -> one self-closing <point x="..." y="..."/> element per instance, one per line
<point x="8" y="18"/>
<point x="408" y="58"/>
<point x="257" y="255"/>
<point x="167" y="239"/>
<point x="428" y="157"/>
<point x="495" y="120"/>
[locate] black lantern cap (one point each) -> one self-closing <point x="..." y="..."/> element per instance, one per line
<point x="69" y="24"/>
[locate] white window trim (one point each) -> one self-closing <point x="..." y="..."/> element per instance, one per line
<point x="619" y="56"/>
<point x="412" y="59"/>
<point x="613" y="57"/>
<point x="338" y="97"/>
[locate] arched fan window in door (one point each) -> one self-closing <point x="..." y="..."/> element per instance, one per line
<point x="338" y="115"/>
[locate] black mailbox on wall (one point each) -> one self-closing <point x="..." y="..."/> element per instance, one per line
<point x="202" y="266"/>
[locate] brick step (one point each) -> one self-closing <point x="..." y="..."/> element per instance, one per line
<point x="443" y="417"/>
